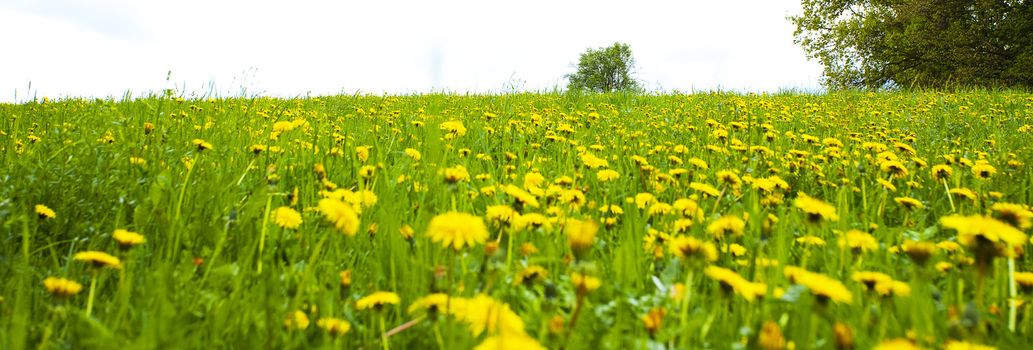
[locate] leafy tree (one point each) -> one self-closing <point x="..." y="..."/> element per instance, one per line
<point x="604" y="69"/>
<point x="925" y="43"/>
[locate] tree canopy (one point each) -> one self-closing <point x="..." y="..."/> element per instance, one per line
<point x="604" y="69"/>
<point x="918" y="43"/>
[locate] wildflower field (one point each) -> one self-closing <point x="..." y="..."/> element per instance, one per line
<point x="519" y="221"/>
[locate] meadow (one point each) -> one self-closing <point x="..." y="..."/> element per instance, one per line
<point x="848" y="220"/>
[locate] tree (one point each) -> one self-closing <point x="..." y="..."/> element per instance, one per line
<point x="876" y="44"/>
<point x="604" y="69"/>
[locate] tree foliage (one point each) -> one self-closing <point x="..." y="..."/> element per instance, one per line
<point x="604" y="69"/>
<point x="922" y="43"/>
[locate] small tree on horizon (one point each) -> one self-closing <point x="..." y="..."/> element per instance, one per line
<point x="604" y="69"/>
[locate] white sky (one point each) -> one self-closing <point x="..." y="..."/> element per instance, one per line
<point x="103" y="48"/>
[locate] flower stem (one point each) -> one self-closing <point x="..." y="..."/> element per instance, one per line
<point x="89" y="300"/>
<point x="949" y="198"/>
<point x="383" y="332"/>
<point x="1012" y="303"/>
<point x="684" y="311"/>
<point x="265" y="228"/>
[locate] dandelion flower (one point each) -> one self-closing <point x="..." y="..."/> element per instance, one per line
<point x="509" y="341"/>
<point x="60" y="287"/>
<point x="432" y="303"/>
<point x="584" y="284"/>
<point x="98" y="259"/>
<point x="530" y="274"/>
<point x="894" y="168"/>
<point x="730" y="280"/>
<point x="483" y="313"/>
<point x="340" y="214"/>
<point x="1018" y="216"/>
<point x="453" y="129"/>
<point x="870" y="278"/>
<point x="377" y="300"/>
<point x="858" y="241"/>
<point x="896" y="344"/>
<point x="521" y="196"/>
<point x="413" y="154"/>
<point x="457" y="230"/>
<point x="942" y="172"/>
<point x="580" y="234"/>
<point x="686" y="247"/>
<point x="705" y="189"/>
<point x="961" y="345"/>
<point x="296" y="320"/>
<point x="128" y="239"/>
<point x="607" y="175"/>
<point x="974" y="228"/>
<point x="286" y="217"/>
<point x="823" y="287"/>
<point x="816" y="209"/>
<point x="983" y="170"/>
<point x="334" y="326"/>
<point x="45" y="212"/>
<point x="455" y="174"/>
<point x="909" y="203"/>
<point x="727" y="225"/>
<point x="201" y="145"/>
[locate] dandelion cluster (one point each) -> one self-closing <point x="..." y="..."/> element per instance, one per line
<point x="848" y="220"/>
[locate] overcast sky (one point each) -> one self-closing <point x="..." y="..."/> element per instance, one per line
<point x="102" y="48"/>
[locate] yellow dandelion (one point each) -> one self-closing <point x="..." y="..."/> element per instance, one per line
<point x="334" y="326"/>
<point x="340" y="214"/>
<point x="896" y="344"/>
<point x="823" y="287"/>
<point x="457" y="230"/>
<point x="485" y="314"/>
<point x="44" y="212"/>
<point x="961" y="345"/>
<point x="413" y="154"/>
<point x="128" y="239"/>
<point x="201" y="145"/>
<point x="296" y="320"/>
<point x="870" y="278"/>
<point x="894" y="168"/>
<point x="816" y="209"/>
<point x="909" y="203"/>
<point x="453" y="129"/>
<point x="455" y="174"/>
<point x="509" y="341"/>
<point x="530" y="274"/>
<point x="521" y="196"/>
<point x="942" y="172"/>
<point x="728" y="225"/>
<point x="377" y="300"/>
<point x="60" y="287"/>
<point x="964" y="193"/>
<point x="580" y="234"/>
<point x="99" y="259"/>
<point x="983" y="170"/>
<point x="732" y="281"/>
<point x="705" y="189"/>
<point x="858" y="241"/>
<point x="974" y="228"/>
<point x="286" y="217"/>
<point x="1016" y="215"/>
<point x="584" y="284"/>
<point x="607" y="175"/>
<point x="686" y="247"/>
<point x="432" y="303"/>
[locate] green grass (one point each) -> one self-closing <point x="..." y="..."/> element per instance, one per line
<point x="196" y="283"/>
